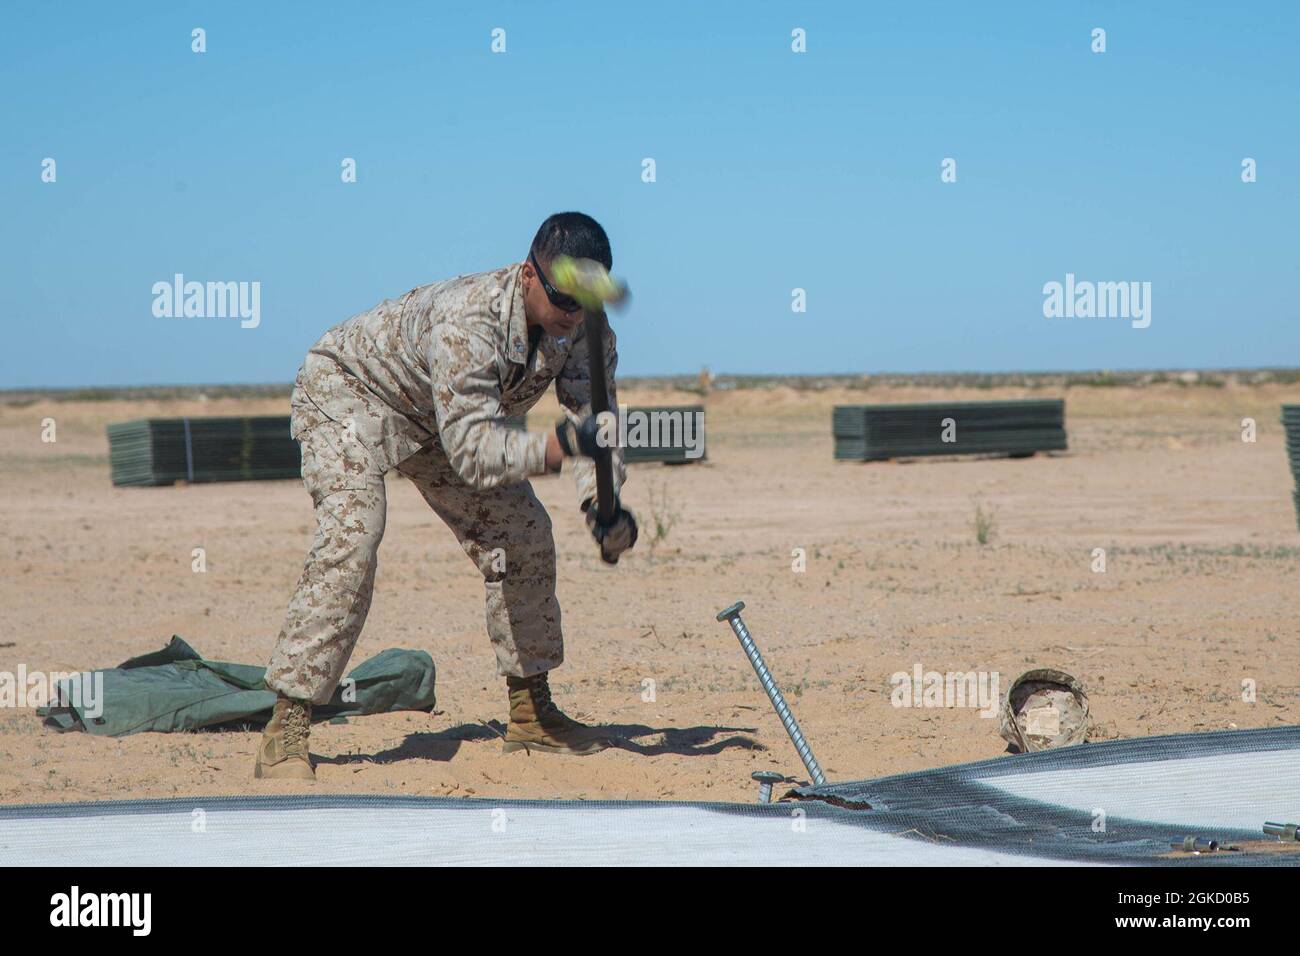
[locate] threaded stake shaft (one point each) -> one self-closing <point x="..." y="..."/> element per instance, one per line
<point x="732" y="616"/>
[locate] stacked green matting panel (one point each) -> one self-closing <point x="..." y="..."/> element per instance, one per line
<point x="660" y="433"/>
<point x="161" y="451"/>
<point x="1291" y="420"/>
<point x="880" y="432"/>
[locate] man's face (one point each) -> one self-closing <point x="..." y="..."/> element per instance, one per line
<point x="538" y="309"/>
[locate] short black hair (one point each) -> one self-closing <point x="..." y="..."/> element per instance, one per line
<point x="572" y="234"/>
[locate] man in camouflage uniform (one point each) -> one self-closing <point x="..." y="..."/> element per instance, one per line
<point x="422" y="385"/>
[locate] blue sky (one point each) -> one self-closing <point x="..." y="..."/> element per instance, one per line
<point x="775" y="171"/>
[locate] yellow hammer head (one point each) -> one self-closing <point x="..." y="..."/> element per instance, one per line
<point x="587" y="281"/>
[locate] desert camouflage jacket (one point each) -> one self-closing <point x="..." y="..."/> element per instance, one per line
<point x="442" y="366"/>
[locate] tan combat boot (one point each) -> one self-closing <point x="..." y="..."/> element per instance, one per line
<point x="537" y="724"/>
<point x="283" y="754"/>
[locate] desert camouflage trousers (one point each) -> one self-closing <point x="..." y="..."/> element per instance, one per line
<point x="505" y="531"/>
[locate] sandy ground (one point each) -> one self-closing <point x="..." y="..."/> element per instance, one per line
<point x="1199" y="595"/>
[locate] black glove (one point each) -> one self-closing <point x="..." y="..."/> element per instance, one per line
<point x="617" y="536"/>
<point x="580" y="439"/>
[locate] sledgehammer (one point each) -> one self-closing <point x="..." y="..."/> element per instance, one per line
<point x="592" y="286"/>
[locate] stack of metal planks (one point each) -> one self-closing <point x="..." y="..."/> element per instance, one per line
<point x="161" y="451"/>
<point x="1016" y="428"/>
<point x="1291" y="421"/>
<point x="673" y="434"/>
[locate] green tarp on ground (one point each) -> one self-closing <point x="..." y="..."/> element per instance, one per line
<point x="176" y="689"/>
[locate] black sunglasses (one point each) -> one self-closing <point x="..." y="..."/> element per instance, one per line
<point x="565" y="303"/>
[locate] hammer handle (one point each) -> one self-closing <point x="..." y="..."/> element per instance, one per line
<point x="594" y="323"/>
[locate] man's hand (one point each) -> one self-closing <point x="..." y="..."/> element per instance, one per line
<point x="580" y="439"/>
<point x="554" y="454"/>
<point x="616" y="537"/>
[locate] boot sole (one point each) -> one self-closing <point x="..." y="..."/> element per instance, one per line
<point x="259" y="773"/>
<point x="514" y="746"/>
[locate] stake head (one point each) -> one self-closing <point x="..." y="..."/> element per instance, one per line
<point x="726" y="614"/>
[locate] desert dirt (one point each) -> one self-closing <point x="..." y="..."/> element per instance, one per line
<point x="1197" y="597"/>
